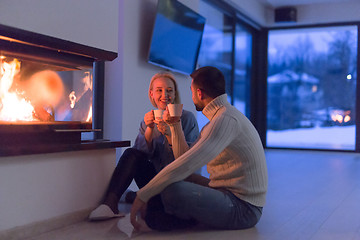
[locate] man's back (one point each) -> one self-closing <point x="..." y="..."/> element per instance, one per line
<point x="241" y="166"/>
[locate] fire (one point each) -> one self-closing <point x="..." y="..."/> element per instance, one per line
<point x="33" y="94"/>
<point x="87" y="80"/>
<point x="75" y="100"/>
<point x="13" y="107"/>
<point x="72" y="98"/>
<point x="89" y="117"/>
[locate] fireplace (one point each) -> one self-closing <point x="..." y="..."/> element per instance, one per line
<point x="51" y="93"/>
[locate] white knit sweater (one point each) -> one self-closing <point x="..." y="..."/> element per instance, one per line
<point x="229" y="145"/>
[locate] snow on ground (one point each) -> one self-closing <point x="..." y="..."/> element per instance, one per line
<point x="337" y="137"/>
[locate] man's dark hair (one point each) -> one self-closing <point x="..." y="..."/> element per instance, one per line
<point x="210" y="80"/>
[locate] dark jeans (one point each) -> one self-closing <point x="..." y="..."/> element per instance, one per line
<point x="184" y="204"/>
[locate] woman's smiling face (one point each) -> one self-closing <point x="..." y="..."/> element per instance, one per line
<point x="163" y="92"/>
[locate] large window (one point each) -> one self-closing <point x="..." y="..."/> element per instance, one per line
<point x="242" y="73"/>
<point x="227" y="45"/>
<point x="306" y="96"/>
<point x="216" y="46"/>
<point x="312" y="88"/>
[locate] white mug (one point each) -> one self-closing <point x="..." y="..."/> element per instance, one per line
<point x="158" y="113"/>
<point x="175" y="110"/>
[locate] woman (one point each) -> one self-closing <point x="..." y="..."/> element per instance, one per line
<point x="152" y="149"/>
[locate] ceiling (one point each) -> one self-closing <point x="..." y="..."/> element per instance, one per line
<point x="283" y="3"/>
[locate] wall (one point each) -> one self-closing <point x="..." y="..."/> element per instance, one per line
<point x="339" y="12"/>
<point x="321" y="14"/>
<point x="36" y="188"/>
<point x="252" y="9"/>
<point x="126" y="104"/>
<point x="89" y="22"/>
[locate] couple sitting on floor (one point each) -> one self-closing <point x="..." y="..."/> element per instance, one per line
<point x="168" y="153"/>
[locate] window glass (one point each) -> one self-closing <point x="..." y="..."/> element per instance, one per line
<point x="312" y="88"/>
<point x="243" y="49"/>
<point x="216" y="46"/>
<point x="217" y="49"/>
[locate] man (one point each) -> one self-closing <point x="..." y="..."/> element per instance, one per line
<point x="234" y="194"/>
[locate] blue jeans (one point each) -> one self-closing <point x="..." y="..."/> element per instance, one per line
<point x="186" y="204"/>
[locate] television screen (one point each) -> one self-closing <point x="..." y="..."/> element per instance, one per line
<point x="176" y="37"/>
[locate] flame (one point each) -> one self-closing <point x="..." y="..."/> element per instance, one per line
<point x="87" y="80"/>
<point x="39" y="96"/>
<point x="89" y="117"/>
<point x="75" y="98"/>
<point x="15" y="108"/>
<point x="8" y="71"/>
<point x="72" y="98"/>
<point x="12" y="106"/>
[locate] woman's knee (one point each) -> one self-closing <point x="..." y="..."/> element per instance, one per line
<point x="132" y="154"/>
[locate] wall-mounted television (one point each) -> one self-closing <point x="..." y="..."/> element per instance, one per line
<point x="176" y="37"/>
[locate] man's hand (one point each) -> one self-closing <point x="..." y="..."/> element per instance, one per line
<point x="138" y="206"/>
<point x="168" y="119"/>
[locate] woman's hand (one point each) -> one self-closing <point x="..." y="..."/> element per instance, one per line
<point x="163" y="127"/>
<point x="149" y="119"/>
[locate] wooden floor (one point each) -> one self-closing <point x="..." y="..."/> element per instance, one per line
<point x="311" y="195"/>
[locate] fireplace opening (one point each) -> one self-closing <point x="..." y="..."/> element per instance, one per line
<point x="39" y="93"/>
<point x="51" y="90"/>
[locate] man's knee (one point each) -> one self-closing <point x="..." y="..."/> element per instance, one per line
<point x="174" y="195"/>
<point x="174" y="190"/>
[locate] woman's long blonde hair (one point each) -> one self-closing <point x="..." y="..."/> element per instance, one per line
<point x="164" y="75"/>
